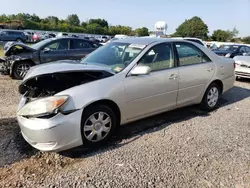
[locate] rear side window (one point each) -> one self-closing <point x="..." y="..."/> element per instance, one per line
<point x="81" y="44"/>
<point x="189" y="54"/>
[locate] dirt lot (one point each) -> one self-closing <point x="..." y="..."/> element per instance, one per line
<point x="183" y="148"/>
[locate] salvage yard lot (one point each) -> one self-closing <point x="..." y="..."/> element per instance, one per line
<point x="183" y="148"/>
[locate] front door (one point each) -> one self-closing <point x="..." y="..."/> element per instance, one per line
<point x="195" y="72"/>
<point x="157" y="91"/>
<point x="54" y="51"/>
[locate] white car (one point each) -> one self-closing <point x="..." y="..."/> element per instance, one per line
<point x="242" y="66"/>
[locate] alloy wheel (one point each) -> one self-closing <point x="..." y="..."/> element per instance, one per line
<point x="22" y="69"/>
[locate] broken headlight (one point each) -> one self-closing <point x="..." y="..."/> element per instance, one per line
<point x="43" y="107"/>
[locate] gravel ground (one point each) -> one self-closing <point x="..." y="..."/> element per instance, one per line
<point x="183" y="148"/>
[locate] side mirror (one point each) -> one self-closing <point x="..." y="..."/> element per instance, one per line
<point x="45" y="50"/>
<point x="140" y="70"/>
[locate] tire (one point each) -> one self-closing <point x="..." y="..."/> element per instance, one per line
<point x="90" y="131"/>
<point x="211" y="97"/>
<point x="20" y="69"/>
<point x="238" y="78"/>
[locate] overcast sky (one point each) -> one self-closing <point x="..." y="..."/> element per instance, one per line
<point x="217" y="14"/>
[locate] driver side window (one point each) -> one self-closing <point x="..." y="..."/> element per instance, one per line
<point x="58" y="45"/>
<point x="159" y="57"/>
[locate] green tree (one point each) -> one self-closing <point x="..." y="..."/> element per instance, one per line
<point x="52" y="20"/>
<point x="84" y="24"/>
<point x="95" y="28"/>
<point x="101" y="22"/>
<point x="194" y="27"/>
<point x="246" y="40"/>
<point x="73" y="20"/>
<point x="142" y="31"/>
<point x="221" y="35"/>
<point x="234" y="32"/>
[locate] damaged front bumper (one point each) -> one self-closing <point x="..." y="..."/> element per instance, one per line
<point x="58" y="133"/>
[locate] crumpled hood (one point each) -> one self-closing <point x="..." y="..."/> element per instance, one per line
<point x="9" y="45"/>
<point x="62" y="66"/>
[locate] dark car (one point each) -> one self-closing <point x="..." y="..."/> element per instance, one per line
<point x="9" y="35"/>
<point x="20" y="57"/>
<point x="232" y="50"/>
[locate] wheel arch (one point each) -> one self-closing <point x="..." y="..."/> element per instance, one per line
<point x="219" y="83"/>
<point x="109" y="103"/>
<point x="16" y="62"/>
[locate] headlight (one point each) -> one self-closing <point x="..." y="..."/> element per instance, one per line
<point x="45" y="106"/>
<point x="228" y="55"/>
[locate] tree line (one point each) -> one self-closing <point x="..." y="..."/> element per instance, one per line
<point x="193" y="27"/>
<point x="72" y="24"/>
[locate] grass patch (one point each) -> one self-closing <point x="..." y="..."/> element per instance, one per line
<point x="1" y="53"/>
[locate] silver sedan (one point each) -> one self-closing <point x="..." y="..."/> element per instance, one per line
<point x="67" y="104"/>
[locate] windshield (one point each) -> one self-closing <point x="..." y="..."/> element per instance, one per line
<point x="38" y="45"/>
<point x="228" y="48"/>
<point x="115" y="55"/>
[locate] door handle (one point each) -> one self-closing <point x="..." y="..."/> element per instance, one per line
<point x="173" y="77"/>
<point x="209" y="69"/>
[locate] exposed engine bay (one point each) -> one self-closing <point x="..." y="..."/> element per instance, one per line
<point x="50" y="84"/>
<point x="16" y="50"/>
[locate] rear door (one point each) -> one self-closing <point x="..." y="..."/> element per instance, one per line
<point x="55" y="50"/>
<point x="195" y="72"/>
<point x="79" y="48"/>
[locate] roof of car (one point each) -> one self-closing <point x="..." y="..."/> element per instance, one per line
<point x="144" y="40"/>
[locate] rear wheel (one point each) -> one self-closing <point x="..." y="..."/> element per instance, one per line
<point x="20" y="69"/>
<point x="98" y="124"/>
<point x="211" y="97"/>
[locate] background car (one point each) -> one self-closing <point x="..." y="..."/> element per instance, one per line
<point x="192" y="39"/>
<point x="121" y="82"/>
<point x="20" y="57"/>
<point x="242" y="68"/>
<point x="232" y="50"/>
<point x="12" y="35"/>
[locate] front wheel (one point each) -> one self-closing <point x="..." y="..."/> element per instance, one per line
<point x="98" y="124"/>
<point x="211" y="97"/>
<point x="20" y="69"/>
